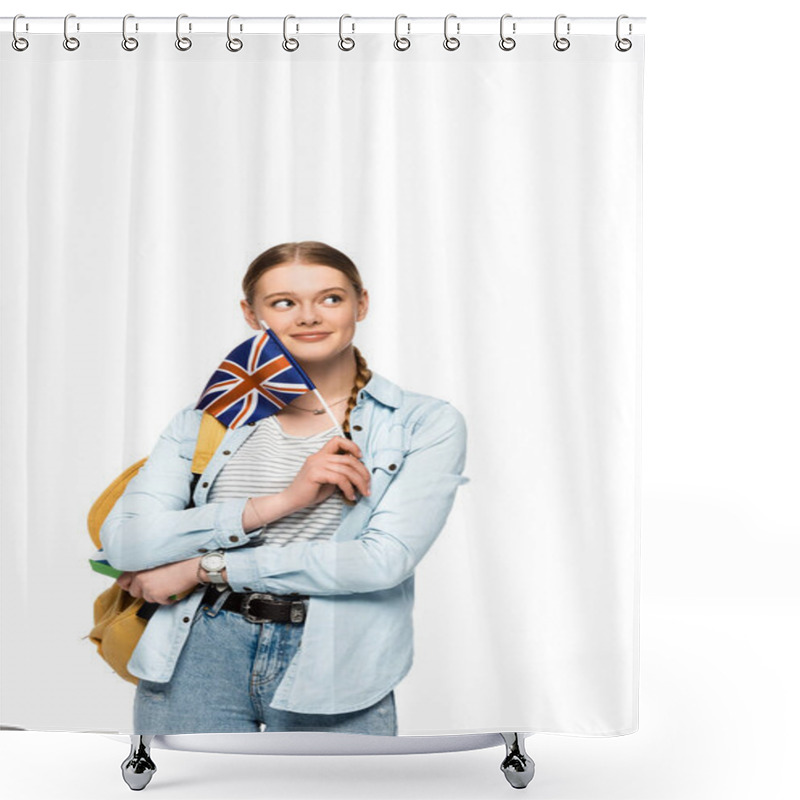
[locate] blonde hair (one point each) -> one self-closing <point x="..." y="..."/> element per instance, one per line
<point x="312" y="253"/>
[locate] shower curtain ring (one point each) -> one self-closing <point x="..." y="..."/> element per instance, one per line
<point x="506" y="42"/>
<point x="451" y="42"/>
<point x="18" y="42"/>
<point x="290" y="45"/>
<point x="181" y="42"/>
<point x="234" y="45"/>
<point x="561" y="43"/>
<point x="401" y="42"/>
<point x="70" y="42"/>
<point x="346" y="43"/>
<point x="623" y="45"/>
<point x="128" y="42"/>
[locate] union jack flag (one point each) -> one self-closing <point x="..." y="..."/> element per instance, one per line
<point x="257" y="379"/>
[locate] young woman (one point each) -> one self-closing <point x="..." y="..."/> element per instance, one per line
<point x="301" y="545"/>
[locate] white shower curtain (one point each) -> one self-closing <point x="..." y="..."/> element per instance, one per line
<point x="492" y="202"/>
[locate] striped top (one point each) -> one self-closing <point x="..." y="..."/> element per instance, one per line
<point x="267" y="463"/>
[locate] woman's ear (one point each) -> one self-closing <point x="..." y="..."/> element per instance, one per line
<point x="249" y="315"/>
<point x="363" y="305"/>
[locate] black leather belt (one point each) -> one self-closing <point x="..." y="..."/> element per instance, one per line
<point x="262" y="607"/>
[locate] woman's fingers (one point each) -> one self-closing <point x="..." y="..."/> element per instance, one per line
<point x="343" y="469"/>
<point x="341" y="443"/>
<point x="358" y="478"/>
<point x="344" y="479"/>
<point x="354" y="463"/>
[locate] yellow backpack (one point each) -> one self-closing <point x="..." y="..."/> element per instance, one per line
<point x="119" y="617"/>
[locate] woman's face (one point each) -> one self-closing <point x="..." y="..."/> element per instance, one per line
<point x="300" y="299"/>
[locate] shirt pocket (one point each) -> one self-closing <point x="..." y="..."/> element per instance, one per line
<point x="386" y="464"/>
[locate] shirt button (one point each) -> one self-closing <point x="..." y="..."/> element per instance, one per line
<point x="233" y="538"/>
<point x="357" y="427"/>
<point x="226" y="452"/>
<point x="186" y="619"/>
<point x="247" y="588"/>
<point x="251" y="423"/>
<point x="202" y="550"/>
<point x="205" y="484"/>
<point x="392" y="466"/>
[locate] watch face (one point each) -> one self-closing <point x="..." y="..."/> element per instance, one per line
<point x="213" y="562"/>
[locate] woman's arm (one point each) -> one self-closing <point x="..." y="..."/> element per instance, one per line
<point x="150" y="525"/>
<point x="401" y="529"/>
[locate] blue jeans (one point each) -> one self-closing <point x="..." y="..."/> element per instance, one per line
<point x="226" y="677"/>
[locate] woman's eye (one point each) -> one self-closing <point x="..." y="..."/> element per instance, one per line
<point x="336" y="297"/>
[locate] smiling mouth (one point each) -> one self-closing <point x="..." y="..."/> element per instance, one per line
<point x="309" y="336"/>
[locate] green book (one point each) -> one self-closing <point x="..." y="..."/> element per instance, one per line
<point x="105" y="568"/>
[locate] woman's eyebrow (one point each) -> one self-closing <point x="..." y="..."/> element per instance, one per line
<point x="330" y="288"/>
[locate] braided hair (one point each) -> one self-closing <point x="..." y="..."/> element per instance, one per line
<point x="363" y="374"/>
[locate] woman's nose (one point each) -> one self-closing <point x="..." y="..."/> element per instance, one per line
<point x="308" y="314"/>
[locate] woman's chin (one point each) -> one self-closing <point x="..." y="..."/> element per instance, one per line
<point x="320" y="354"/>
<point x="312" y="359"/>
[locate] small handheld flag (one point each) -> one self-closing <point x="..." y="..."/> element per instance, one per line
<point x="256" y="380"/>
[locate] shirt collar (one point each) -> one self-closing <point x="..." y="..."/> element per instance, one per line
<point x="383" y="390"/>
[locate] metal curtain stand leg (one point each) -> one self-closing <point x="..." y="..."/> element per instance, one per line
<point x="138" y="768"/>
<point x="517" y="766"/>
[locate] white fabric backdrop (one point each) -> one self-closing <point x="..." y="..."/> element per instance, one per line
<point x="492" y="201"/>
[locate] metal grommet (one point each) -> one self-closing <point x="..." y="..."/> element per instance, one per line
<point x="18" y="42"/>
<point x="290" y="45"/>
<point x="181" y="42"/>
<point x="346" y="43"/>
<point x="401" y="42"/>
<point x="623" y="45"/>
<point x="129" y="43"/>
<point x="70" y="42"/>
<point x="506" y="42"/>
<point x="561" y="43"/>
<point x="234" y="45"/>
<point x="451" y="42"/>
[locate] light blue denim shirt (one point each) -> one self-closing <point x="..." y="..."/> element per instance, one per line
<point x="358" y="642"/>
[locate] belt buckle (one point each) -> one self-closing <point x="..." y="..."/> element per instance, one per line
<point x="297" y="613"/>
<point x="246" y="606"/>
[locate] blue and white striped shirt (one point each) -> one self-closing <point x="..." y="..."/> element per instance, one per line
<point x="266" y="464"/>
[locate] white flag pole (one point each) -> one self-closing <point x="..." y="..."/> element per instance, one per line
<point x="316" y="392"/>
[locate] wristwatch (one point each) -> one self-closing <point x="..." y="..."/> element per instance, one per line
<point x="213" y="564"/>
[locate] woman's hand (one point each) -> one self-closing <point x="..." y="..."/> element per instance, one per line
<point x="323" y="471"/>
<point x="162" y="584"/>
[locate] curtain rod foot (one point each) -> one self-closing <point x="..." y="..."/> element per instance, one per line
<point x="138" y="768"/>
<point x="517" y="766"/>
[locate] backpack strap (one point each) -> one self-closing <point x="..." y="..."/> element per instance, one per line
<point x="211" y="434"/>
